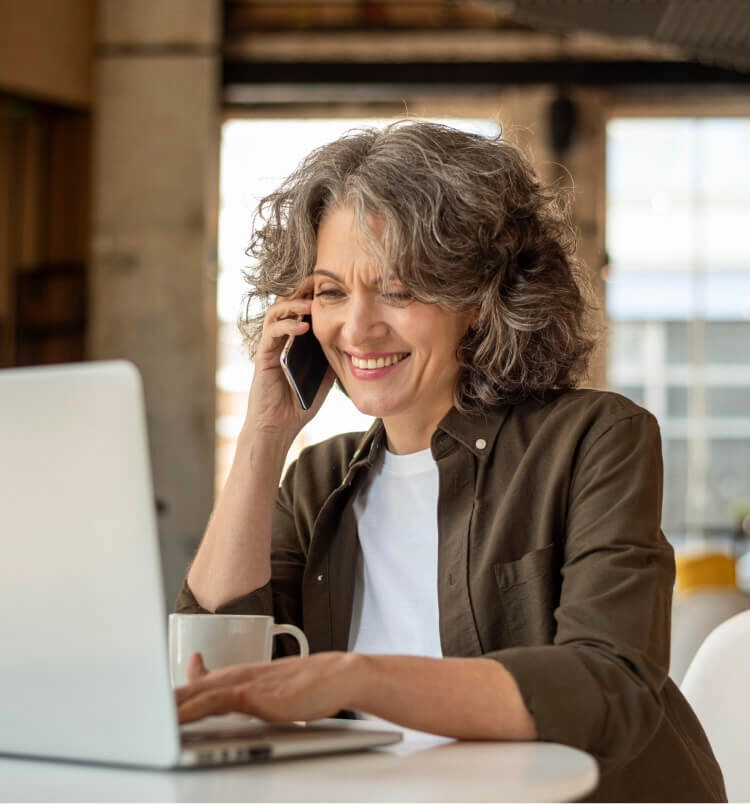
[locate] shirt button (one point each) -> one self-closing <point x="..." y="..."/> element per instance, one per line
<point x="480" y="443"/>
<point x="320" y="579"/>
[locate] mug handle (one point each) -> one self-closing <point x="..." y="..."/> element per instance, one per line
<point x="292" y="630"/>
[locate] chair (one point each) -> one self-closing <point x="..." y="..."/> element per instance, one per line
<point x="717" y="686"/>
<point x="694" y="615"/>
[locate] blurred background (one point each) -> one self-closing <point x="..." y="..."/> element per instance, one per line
<point x="136" y="137"/>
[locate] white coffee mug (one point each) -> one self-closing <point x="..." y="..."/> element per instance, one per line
<point x="223" y="640"/>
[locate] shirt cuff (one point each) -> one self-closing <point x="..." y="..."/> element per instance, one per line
<point x="258" y="602"/>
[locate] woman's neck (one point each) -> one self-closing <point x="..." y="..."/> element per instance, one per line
<point x="404" y="435"/>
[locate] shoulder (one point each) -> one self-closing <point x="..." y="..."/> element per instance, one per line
<point x="580" y="407"/>
<point x="561" y="420"/>
<point x="589" y="407"/>
<point x="608" y="419"/>
<point x="570" y="422"/>
<point x="601" y="426"/>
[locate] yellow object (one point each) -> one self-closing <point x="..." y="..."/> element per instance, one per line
<point x="705" y="569"/>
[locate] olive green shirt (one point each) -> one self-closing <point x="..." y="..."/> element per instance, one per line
<point x="550" y="560"/>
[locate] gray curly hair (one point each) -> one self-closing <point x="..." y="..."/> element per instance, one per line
<point x="467" y="224"/>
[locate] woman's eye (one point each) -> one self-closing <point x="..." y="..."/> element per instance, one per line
<point x="327" y="293"/>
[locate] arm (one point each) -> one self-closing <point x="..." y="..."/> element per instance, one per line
<point x="234" y="556"/>
<point x="598" y="687"/>
<point x="233" y="559"/>
<point x="461" y="698"/>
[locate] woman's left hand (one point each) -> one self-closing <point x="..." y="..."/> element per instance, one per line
<point x="293" y="688"/>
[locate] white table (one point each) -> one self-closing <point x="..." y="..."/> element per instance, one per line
<point x="431" y="770"/>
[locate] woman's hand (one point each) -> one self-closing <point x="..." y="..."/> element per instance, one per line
<point x="294" y="688"/>
<point x="272" y="405"/>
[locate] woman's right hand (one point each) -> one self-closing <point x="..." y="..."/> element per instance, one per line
<point x="272" y="404"/>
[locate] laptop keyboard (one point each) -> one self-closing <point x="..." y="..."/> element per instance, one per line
<point x="221" y="727"/>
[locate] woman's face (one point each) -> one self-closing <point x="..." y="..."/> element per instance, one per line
<point x="395" y="357"/>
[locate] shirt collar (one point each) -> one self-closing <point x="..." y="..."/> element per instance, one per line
<point x="477" y="431"/>
<point x="369" y="445"/>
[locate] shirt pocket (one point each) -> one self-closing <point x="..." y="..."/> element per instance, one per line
<point x="529" y="591"/>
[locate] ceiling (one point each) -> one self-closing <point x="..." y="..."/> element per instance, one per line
<point x="282" y="49"/>
<point x="711" y="31"/>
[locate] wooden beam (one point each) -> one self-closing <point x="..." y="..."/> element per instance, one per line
<point x="428" y="45"/>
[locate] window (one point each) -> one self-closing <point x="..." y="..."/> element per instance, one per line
<point x="678" y="299"/>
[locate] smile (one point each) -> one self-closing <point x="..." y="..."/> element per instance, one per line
<point x="377" y="362"/>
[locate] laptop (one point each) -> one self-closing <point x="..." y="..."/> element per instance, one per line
<point x="84" y="667"/>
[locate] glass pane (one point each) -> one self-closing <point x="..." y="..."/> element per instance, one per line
<point x="678" y="342"/>
<point x="675" y="485"/>
<point x="727" y="296"/>
<point x="653" y="156"/>
<point x="728" y="402"/>
<point x="640" y="236"/>
<point x="730" y="477"/>
<point x="728" y="342"/>
<point x="626" y="343"/>
<point x="725" y="145"/>
<point x="653" y="296"/>
<point x="724" y="239"/>
<point x="677" y="401"/>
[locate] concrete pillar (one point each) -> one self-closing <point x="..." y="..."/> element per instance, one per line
<point x="587" y="163"/>
<point x="154" y="223"/>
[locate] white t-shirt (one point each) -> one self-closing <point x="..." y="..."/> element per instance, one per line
<point x="395" y="606"/>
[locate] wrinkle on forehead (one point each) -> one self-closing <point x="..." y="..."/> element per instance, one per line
<point x="369" y="233"/>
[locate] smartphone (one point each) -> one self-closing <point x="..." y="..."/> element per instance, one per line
<point x="304" y="363"/>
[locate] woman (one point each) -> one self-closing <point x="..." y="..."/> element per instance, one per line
<point x="487" y="561"/>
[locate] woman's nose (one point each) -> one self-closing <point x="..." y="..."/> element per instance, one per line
<point x="363" y="323"/>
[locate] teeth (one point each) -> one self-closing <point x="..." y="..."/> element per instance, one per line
<point x="375" y="363"/>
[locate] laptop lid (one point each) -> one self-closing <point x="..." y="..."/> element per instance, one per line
<point x="84" y="666"/>
<point x="83" y="654"/>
